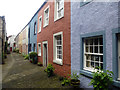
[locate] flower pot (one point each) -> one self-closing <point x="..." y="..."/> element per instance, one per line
<point x="31" y="61"/>
<point x="40" y="65"/>
<point x="75" y="83"/>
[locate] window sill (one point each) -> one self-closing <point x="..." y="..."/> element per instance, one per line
<point x="39" y="55"/>
<point x="86" y="73"/>
<point x="45" y="25"/>
<point x="39" y="32"/>
<point x="58" y="18"/>
<point x="58" y="62"/>
<point x="84" y="3"/>
<point x="116" y="83"/>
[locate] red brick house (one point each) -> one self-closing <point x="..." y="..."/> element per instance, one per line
<point x="53" y="36"/>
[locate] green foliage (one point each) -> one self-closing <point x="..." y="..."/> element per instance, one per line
<point x="33" y="56"/>
<point x="75" y="76"/>
<point x="26" y="57"/>
<point x="39" y="63"/>
<point x="50" y="69"/>
<point x="65" y="81"/>
<point x="102" y="80"/>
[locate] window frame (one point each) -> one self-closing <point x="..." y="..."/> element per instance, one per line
<point x="92" y="53"/>
<point x="55" y="60"/>
<point x="115" y="56"/>
<point x="56" y="11"/>
<point x="48" y="7"/>
<point x="39" y="53"/>
<point x="40" y="25"/>
<point x="87" y="35"/>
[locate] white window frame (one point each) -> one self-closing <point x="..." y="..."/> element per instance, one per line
<point x="56" y="10"/>
<point x="39" y="49"/>
<point x="48" y="8"/>
<point x="40" y="24"/>
<point x="55" y="59"/>
<point x="89" y="53"/>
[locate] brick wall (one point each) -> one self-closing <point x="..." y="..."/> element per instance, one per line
<point x="46" y="34"/>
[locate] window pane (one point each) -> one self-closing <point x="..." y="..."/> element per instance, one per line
<point x="88" y="63"/>
<point x="92" y="57"/>
<point x="60" y="56"/>
<point x="88" y="57"/>
<point x="96" y="41"/>
<point x="101" y="58"/>
<point x="96" y="58"/>
<point x="96" y="65"/>
<point x="91" y="41"/>
<point x="96" y="49"/>
<point x="87" y="48"/>
<point x="101" y="49"/>
<point x="91" y="49"/>
<point x="101" y="41"/>
<point x="92" y="64"/>
<point x="101" y="65"/>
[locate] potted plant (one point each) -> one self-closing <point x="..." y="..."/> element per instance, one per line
<point x="26" y="57"/>
<point x="65" y="81"/>
<point x="39" y="64"/>
<point x="75" y="82"/>
<point x="102" y="80"/>
<point x="50" y="69"/>
<point x="33" y="56"/>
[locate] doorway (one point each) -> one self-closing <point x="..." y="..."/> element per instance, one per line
<point x="45" y="53"/>
<point x="118" y="56"/>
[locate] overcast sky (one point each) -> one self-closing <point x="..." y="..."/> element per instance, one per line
<point x="18" y="13"/>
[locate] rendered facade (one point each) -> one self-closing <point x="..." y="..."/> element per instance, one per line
<point x="32" y="34"/>
<point x="95" y="39"/>
<point x="25" y="40"/>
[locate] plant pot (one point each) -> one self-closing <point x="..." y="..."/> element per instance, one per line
<point x="40" y="65"/>
<point x="75" y="83"/>
<point x="31" y="61"/>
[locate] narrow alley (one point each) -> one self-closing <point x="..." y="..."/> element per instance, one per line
<point x="20" y="73"/>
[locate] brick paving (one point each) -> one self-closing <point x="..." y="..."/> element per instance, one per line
<point x="20" y="73"/>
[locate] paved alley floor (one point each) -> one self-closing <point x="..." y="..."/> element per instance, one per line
<point x="20" y="73"/>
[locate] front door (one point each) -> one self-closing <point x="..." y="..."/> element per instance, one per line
<point x="119" y="57"/>
<point x="45" y="54"/>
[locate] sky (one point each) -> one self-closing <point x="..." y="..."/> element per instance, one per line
<point x="18" y="13"/>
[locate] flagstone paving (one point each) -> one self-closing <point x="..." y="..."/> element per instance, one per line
<point x="20" y="73"/>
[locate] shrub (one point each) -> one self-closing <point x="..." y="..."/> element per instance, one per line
<point x="50" y="69"/>
<point x="26" y="57"/>
<point x="65" y="81"/>
<point x="33" y="56"/>
<point x="74" y="76"/>
<point x="102" y="80"/>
